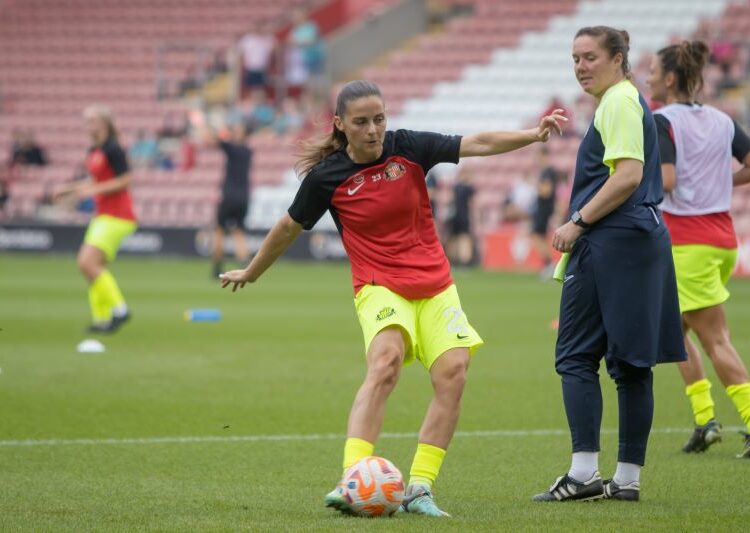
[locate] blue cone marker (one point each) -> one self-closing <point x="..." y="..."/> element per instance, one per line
<point x="203" y="315"/>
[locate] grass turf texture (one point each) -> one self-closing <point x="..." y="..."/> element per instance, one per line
<point x="286" y="359"/>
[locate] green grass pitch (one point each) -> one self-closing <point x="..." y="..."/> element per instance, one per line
<point x="286" y="360"/>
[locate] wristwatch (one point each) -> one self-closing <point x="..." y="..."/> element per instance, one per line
<point x="578" y="220"/>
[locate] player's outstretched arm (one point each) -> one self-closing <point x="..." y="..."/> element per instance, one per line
<point x="281" y="236"/>
<point x="499" y="142"/>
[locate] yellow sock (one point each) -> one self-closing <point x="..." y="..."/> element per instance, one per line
<point x="110" y="288"/>
<point x="701" y="401"/>
<point x="356" y="449"/>
<point x="101" y="310"/>
<point x="426" y="465"/>
<point x="740" y="395"/>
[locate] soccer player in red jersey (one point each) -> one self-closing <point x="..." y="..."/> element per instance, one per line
<point x="697" y="143"/>
<point x="373" y="183"/>
<point x="113" y="221"/>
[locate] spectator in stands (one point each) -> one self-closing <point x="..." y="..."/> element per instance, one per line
<point x="235" y="189"/>
<point x="372" y="181"/>
<point x="697" y="143"/>
<point x="305" y="37"/>
<point x="25" y="150"/>
<point x="113" y="221"/>
<point x="544" y="208"/>
<point x="144" y="150"/>
<point x="259" y="112"/>
<point x="461" y="239"/>
<point x="520" y="200"/>
<point x="619" y="297"/>
<point x="256" y="48"/>
<point x="289" y="118"/>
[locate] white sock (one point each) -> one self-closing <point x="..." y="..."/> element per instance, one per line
<point x="627" y="473"/>
<point x="120" y="310"/>
<point x="584" y="465"/>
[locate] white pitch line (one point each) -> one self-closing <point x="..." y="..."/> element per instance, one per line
<point x="301" y="438"/>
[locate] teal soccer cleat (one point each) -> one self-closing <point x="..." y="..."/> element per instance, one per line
<point x="338" y="499"/>
<point x="419" y="500"/>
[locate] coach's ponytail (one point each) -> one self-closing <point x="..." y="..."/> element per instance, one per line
<point x="686" y="60"/>
<point x="310" y="152"/>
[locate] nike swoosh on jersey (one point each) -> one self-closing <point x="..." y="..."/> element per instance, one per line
<point x="355" y="189"/>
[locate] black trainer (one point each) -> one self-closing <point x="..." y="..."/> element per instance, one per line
<point x="703" y="437"/>
<point x="100" y="329"/>
<point x="565" y="488"/>
<point x="118" y="321"/>
<point x="630" y="492"/>
<point x="746" y="450"/>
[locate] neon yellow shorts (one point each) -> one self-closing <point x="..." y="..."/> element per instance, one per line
<point x="106" y="232"/>
<point x="702" y="274"/>
<point x="433" y="325"/>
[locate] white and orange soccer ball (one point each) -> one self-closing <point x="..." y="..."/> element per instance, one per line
<point x="373" y="487"/>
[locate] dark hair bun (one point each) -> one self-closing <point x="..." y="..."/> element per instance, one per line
<point x="700" y="52"/>
<point x="625" y="37"/>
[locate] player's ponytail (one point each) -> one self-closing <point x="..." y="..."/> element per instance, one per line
<point x="312" y="151"/>
<point x="686" y="61"/>
<point x="613" y="41"/>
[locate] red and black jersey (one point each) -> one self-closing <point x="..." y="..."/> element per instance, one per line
<point x="383" y="213"/>
<point x="104" y="163"/>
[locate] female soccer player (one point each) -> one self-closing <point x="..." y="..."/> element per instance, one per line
<point x="619" y="297"/>
<point x="113" y="221"/>
<point x="697" y="143"/>
<point x="373" y="183"/>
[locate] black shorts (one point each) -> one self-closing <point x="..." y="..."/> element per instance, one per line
<point x="231" y="214"/>
<point x="460" y="225"/>
<point x="540" y="223"/>
<point x="619" y="299"/>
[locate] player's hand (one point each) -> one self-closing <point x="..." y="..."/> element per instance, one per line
<point x="550" y="123"/>
<point x="236" y="277"/>
<point x="566" y="236"/>
<point x="63" y="195"/>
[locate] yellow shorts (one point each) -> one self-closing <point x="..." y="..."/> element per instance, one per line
<point x="106" y="232"/>
<point x="432" y="325"/>
<point x="702" y="274"/>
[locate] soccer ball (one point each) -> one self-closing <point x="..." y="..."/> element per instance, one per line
<point x="373" y="487"/>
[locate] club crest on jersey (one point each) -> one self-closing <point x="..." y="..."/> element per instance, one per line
<point x="385" y="313"/>
<point x="394" y="171"/>
<point x="358" y="179"/>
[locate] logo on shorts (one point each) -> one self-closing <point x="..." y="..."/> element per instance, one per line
<point x="394" y="171"/>
<point x="385" y="313"/>
<point x="461" y="337"/>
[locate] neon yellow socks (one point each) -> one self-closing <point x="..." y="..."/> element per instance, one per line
<point x="104" y="296"/>
<point x="356" y="449"/>
<point x="110" y="287"/>
<point x="426" y="465"/>
<point x="740" y="395"/>
<point x="701" y="401"/>
<point x="101" y="311"/>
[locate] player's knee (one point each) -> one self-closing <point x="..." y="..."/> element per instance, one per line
<point x="453" y="372"/>
<point x="86" y="266"/>
<point x="385" y="367"/>
<point x="626" y="374"/>
<point x="716" y="342"/>
<point x="577" y="369"/>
